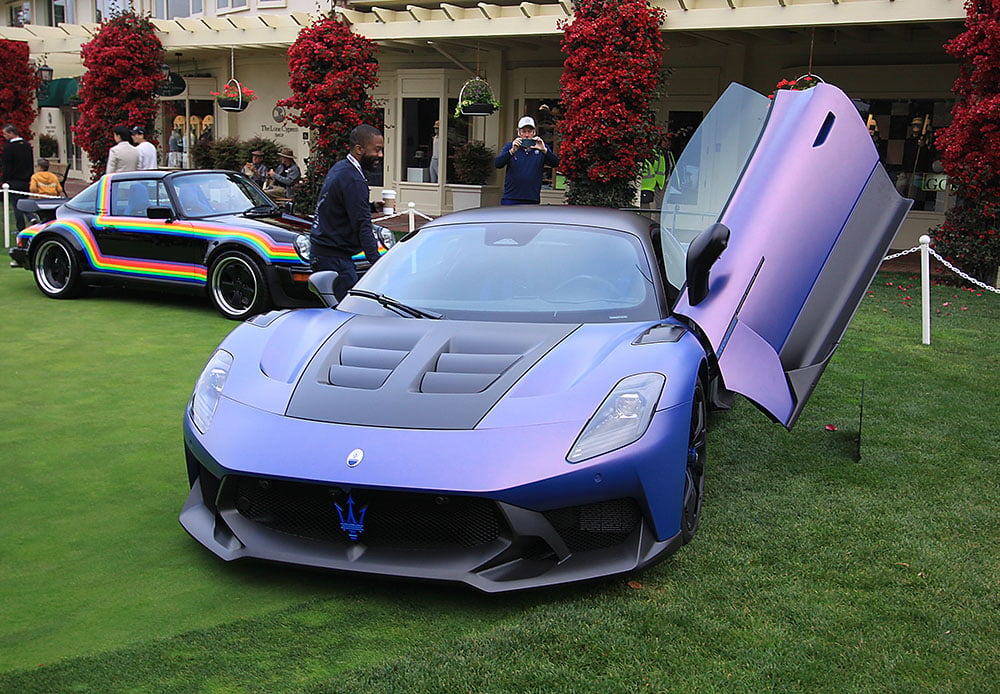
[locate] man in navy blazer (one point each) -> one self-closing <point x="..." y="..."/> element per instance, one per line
<point x="342" y="225"/>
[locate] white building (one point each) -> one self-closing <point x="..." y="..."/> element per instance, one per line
<point x="886" y="52"/>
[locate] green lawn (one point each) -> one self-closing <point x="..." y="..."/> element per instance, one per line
<point x="811" y="571"/>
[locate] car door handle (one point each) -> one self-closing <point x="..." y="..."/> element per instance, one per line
<point x="109" y="228"/>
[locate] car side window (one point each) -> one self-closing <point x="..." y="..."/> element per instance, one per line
<point x="86" y="200"/>
<point x="132" y="198"/>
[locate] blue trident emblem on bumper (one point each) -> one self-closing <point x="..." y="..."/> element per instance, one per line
<point x="351" y="525"/>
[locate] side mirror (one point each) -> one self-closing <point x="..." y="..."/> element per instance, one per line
<point x="701" y="255"/>
<point x="321" y="284"/>
<point x="166" y="213"/>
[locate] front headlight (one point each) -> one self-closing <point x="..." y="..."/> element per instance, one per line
<point x="386" y="236"/>
<point x="207" y="392"/>
<point x="621" y="419"/>
<point x="303" y="246"/>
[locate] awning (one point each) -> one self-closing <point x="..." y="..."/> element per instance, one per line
<point x="59" y="92"/>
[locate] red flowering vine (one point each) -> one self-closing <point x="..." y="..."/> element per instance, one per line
<point x="614" y="60"/>
<point x="332" y="72"/>
<point x="18" y="83"/>
<point x="970" y="146"/>
<point x="123" y="68"/>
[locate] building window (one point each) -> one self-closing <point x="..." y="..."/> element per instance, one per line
<point x="62" y="12"/>
<point x="103" y="9"/>
<point x="904" y="134"/>
<point x="18" y="14"/>
<point x="231" y="5"/>
<point x="175" y="9"/>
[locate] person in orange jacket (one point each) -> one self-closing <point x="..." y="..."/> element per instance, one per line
<point x="44" y="182"/>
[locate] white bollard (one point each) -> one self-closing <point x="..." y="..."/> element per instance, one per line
<point x="6" y="215"/>
<point x="411" y="211"/>
<point x="925" y="286"/>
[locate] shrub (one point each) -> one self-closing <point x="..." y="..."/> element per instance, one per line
<point x="123" y="68"/>
<point x="474" y="163"/>
<point x="268" y="147"/>
<point x="17" y="88"/>
<point x="970" y="146"/>
<point x="612" y="71"/>
<point x="332" y="70"/>
<point x="227" y="153"/>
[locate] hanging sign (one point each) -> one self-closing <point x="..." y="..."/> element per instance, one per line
<point x="173" y="85"/>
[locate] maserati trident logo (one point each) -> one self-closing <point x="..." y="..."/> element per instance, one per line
<point x="355" y="457"/>
<point x="349" y="524"/>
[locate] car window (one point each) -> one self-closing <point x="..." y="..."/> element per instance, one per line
<point x="133" y="197"/>
<point x="86" y="200"/>
<point x="216" y="193"/>
<point x="707" y="172"/>
<point x="553" y="273"/>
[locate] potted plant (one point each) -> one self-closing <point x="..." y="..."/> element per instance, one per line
<point x="474" y="166"/>
<point x="474" y="163"/>
<point x="234" y="97"/>
<point x="476" y="99"/>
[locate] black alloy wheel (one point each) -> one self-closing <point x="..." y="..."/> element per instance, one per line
<point x="57" y="269"/>
<point x="694" y="474"/>
<point x="237" y="286"/>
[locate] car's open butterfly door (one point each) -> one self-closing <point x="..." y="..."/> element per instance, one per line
<point x="793" y="190"/>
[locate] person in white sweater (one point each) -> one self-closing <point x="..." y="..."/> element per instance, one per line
<point x="146" y="149"/>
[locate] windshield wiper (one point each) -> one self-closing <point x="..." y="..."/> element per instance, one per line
<point x="394" y="305"/>
<point x="259" y="211"/>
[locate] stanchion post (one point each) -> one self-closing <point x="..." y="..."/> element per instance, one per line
<point x="412" y="212"/>
<point x="6" y="215"/>
<point x="925" y="286"/>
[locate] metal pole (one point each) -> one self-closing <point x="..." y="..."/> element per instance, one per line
<point x="6" y="215"/>
<point x="925" y="286"/>
<point x="413" y="221"/>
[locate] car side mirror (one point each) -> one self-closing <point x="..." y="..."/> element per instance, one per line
<point x="164" y="212"/>
<point x="701" y="255"/>
<point x="321" y="284"/>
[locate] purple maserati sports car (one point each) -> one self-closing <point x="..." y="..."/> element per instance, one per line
<point x="517" y="397"/>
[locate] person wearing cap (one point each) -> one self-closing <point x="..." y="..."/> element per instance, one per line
<point x="255" y="168"/>
<point x="525" y="157"/>
<point x="147" y="150"/>
<point x="281" y="179"/>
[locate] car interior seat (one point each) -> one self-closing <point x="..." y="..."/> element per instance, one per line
<point x="138" y="201"/>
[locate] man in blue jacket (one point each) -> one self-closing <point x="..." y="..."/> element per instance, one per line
<point x="343" y="222"/>
<point x="525" y="157"/>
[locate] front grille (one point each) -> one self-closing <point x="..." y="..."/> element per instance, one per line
<point x="392" y="520"/>
<point x="595" y="526"/>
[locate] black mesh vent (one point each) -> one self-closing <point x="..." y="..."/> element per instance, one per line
<point x="595" y="526"/>
<point x="392" y="520"/>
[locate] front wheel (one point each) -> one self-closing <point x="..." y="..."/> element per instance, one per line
<point x="237" y="286"/>
<point x="694" y="474"/>
<point x="57" y="269"/>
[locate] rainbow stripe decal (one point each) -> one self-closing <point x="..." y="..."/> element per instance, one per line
<point x="265" y="246"/>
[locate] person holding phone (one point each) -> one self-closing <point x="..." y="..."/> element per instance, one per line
<point x="525" y="157"/>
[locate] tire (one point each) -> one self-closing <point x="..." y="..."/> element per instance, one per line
<point x="56" y="269"/>
<point x="236" y="286"/>
<point x="694" y="473"/>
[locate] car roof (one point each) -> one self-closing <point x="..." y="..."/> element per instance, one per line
<point x="147" y="174"/>
<point x="598" y="217"/>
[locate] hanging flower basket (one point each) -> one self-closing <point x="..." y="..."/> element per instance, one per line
<point x="476" y="99"/>
<point x="234" y="97"/>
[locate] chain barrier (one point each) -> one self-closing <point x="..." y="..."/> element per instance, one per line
<point x="963" y="275"/>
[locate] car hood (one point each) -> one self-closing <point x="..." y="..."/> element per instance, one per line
<point x="331" y="367"/>
<point x="280" y="228"/>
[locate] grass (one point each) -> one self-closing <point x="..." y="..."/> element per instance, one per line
<point x="811" y="572"/>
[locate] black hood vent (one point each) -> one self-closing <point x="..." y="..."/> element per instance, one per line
<point x="418" y="374"/>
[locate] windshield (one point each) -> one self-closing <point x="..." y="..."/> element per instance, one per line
<point x="215" y="193"/>
<point x="528" y="272"/>
<point x="707" y="172"/>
